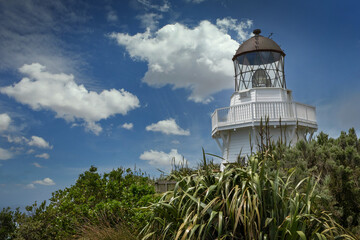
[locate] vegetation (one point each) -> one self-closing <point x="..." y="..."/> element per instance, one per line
<point x="112" y="200"/>
<point x="336" y="165"/>
<point x="309" y="191"/>
<point x="251" y="202"/>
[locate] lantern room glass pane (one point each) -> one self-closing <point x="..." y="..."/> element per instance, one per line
<point x="259" y="69"/>
<point x="258" y="58"/>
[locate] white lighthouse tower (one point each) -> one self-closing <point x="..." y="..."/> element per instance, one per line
<point x="260" y="94"/>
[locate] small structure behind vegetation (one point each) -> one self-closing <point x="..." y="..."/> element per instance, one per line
<point x="162" y="186"/>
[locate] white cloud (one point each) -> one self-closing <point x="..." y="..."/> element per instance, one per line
<point x="4" y="121"/>
<point x="30" y="186"/>
<point x="29" y="30"/>
<point x="150" y="20"/>
<point x="161" y="158"/>
<point x="197" y="59"/>
<point x="164" y="7"/>
<point x="111" y="16"/>
<point x="30" y="151"/>
<point x="5" y="154"/>
<point x="45" y="181"/>
<point x="175" y="142"/>
<point x="167" y="127"/>
<point x="37" y="165"/>
<point x="35" y="141"/>
<point x="232" y="24"/>
<point x="43" y="155"/>
<point x="16" y="139"/>
<point x="60" y="93"/>
<point x="127" y="126"/>
<point x="39" y="142"/>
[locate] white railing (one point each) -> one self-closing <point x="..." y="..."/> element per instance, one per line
<point x="254" y="111"/>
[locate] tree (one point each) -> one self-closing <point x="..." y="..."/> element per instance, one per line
<point x="115" y="198"/>
<point x="7" y="223"/>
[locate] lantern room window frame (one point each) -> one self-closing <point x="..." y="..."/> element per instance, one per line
<point x="246" y="64"/>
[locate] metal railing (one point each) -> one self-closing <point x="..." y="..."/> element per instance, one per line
<point x="254" y="111"/>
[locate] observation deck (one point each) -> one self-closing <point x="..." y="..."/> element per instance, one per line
<point x="250" y="114"/>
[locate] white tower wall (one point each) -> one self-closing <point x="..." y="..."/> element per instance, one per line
<point x="242" y="141"/>
<point x="236" y="128"/>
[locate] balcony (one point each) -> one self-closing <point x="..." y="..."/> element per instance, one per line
<point x="249" y="114"/>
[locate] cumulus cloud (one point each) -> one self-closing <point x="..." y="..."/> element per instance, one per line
<point x="60" y="93"/>
<point x="5" y="154"/>
<point x="197" y="59"/>
<point x="43" y="155"/>
<point x="45" y="181"/>
<point x="35" y="141"/>
<point x="167" y="127"/>
<point x="4" y="121"/>
<point x="37" y="165"/>
<point x="39" y="142"/>
<point x="127" y="126"/>
<point x="161" y="158"/>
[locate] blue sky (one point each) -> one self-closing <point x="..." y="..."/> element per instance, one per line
<point x="125" y="83"/>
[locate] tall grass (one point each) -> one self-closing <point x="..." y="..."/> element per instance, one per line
<point x="105" y="226"/>
<point x="242" y="202"/>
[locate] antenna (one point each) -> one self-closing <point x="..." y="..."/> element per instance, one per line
<point x="270" y="35"/>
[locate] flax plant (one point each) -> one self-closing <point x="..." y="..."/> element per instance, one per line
<point x="242" y="202"/>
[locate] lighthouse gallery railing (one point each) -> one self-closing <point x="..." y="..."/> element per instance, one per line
<point x="251" y="112"/>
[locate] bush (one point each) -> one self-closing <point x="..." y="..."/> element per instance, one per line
<point x="252" y="202"/>
<point x="119" y="193"/>
<point x="336" y="164"/>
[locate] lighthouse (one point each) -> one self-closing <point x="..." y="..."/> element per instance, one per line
<point x="260" y="97"/>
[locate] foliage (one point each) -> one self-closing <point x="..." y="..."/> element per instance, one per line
<point x="336" y="163"/>
<point x="34" y="225"/>
<point x="240" y="203"/>
<point x="119" y="193"/>
<point x="282" y="192"/>
<point x="7" y="222"/>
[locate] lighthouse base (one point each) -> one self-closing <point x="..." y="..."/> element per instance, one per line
<point x="238" y="144"/>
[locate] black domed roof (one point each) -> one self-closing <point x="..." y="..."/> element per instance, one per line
<point x="258" y="43"/>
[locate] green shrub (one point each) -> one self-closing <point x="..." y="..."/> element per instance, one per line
<point x="252" y="202"/>
<point x="119" y="193"/>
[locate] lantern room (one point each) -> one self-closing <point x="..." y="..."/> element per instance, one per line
<point x="259" y="62"/>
